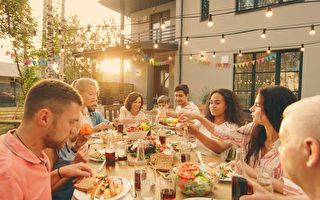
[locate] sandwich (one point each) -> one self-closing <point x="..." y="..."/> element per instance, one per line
<point x="85" y="185"/>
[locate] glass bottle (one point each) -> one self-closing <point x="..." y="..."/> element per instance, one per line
<point x="140" y="166"/>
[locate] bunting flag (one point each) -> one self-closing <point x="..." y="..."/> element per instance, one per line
<point x="27" y="61"/>
<point x="201" y="61"/>
<point x="152" y="62"/>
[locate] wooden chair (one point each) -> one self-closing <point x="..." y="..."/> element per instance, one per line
<point x="112" y="110"/>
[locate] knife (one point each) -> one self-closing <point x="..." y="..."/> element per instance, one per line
<point x="100" y="168"/>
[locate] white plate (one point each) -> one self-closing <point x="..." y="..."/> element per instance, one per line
<point x="192" y="145"/>
<point x="199" y="198"/>
<point x="95" y="135"/>
<point x="97" y="160"/>
<point x="79" y="195"/>
<point x="229" y="178"/>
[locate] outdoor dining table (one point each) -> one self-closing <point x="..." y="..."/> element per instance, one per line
<point x="221" y="191"/>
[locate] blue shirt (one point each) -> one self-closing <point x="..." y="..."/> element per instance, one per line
<point x="97" y="118"/>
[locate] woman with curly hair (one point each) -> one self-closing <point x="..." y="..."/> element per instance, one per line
<point x="131" y="112"/>
<point x="260" y="138"/>
<point x="224" y="109"/>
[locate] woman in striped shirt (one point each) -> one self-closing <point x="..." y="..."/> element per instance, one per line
<point x="260" y="138"/>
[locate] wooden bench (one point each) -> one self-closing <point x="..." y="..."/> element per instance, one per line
<point x="12" y="116"/>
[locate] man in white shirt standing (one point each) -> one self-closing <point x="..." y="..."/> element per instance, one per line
<point x="181" y="93"/>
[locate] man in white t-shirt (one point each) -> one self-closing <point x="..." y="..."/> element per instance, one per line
<point x="181" y="93"/>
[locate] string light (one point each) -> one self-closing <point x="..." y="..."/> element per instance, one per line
<point x="142" y="59"/>
<point x="62" y="48"/>
<point x="127" y="46"/>
<point x="240" y="53"/>
<point x="186" y="42"/>
<point x="263" y="35"/>
<point x="269" y="50"/>
<point x="89" y="28"/>
<point x="134" y="58"/>
<point x="151" y="60"/>
<point x="59" y="35"/>
<point x="170" y="58"/>
<point x="210" y="22"/>
<point x="155" y="45"/>
<point x="269" y="11"/>
<point x="302" y="47"/>
<point x="214" y="54"/>
<point x="201" y="56"/>
<point x="223" y="40"/>
<point x="312" y="31"/>
<point x="190" y="57"/>
<point x="138" y="50"/>
<point x="103" y="48"/>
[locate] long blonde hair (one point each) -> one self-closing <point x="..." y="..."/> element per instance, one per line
<point x="81" y="84"/>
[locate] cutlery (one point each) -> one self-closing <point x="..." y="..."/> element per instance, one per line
<point x="200" y="158"/>
<point x="134" y="194"/>
<point x="100" y="168"/>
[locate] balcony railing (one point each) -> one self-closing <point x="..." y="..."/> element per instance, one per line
<point x="154" y="35"/>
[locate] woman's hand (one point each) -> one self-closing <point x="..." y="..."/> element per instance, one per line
<point x="187" y="116"/>
<point x="82" y="155"/>
<point x="236" y="165"/>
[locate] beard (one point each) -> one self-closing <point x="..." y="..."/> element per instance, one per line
<point x="49" y="139"/>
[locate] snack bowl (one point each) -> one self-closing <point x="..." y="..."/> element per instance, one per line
<point x="137" y="135"/>
<point x="190" y="188"/>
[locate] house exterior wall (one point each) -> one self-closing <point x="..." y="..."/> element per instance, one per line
<point x="200" y="77"/>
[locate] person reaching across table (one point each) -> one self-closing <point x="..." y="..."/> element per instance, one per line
<point x="224" y="109"/>
<point x="52" y="110"/>
<point x="260" y="138"/>
<point x="299" y="150"/>
<point x="98" y="119"/>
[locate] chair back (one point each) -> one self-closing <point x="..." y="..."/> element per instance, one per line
<point x="112" y="111"/>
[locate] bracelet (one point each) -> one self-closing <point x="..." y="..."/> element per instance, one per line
<point x="59" y="173"/>
<point x="72" y="149"/>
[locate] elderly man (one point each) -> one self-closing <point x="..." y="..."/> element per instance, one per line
<point x="300" y="149"/>
<point x="52" y="110"/>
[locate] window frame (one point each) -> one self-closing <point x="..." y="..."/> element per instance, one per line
<point x="277" y="72"/>
<point x="205" y="17"/>
<point x="255" y="5"/>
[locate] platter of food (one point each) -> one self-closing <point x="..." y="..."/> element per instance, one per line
<point x="170" y="122"/>
<point x="177" y="145"/>
<point x="97" y="156"/>
<point x="103" y="188"/>
<point x="224" y="170"/>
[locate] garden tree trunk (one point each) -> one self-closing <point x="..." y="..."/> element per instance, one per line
<point x="20" y="73"/>
<point x="61" y="66"/>
<point x="44" y="33"/>
<point x="50" y="50"/>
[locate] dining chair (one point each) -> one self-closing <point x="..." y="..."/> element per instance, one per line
<point x="113" y="111"/>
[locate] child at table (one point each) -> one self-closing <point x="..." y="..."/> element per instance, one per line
<point x="163" y="105"/>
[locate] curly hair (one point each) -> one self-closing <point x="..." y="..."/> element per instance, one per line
<point x="275" y="101"/>
<point x="131" y="98"/>
<point x="233" y="112"/>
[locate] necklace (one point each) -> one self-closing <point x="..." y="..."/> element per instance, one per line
<point x="44" y="162"/>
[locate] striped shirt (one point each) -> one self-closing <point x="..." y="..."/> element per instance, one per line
<point x="268" y="162"/>
<point x="191" y="107"/>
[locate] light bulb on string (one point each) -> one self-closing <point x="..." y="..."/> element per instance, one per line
<point x="127" y="46"/>
<point x="62" y="48"/>
<point x="263" y="35"/>
<point x="163" y="25"/>
<point x="170" y="58"/>
<point x="240" y="53"/>
<point x="186" y="42"/>
<point x="103" y="48"/>
<point x="142" y="59"/>
<point x="269" y="11"/>
<point x="223" y="40"/>
<point x="312" y="30"/>
<point x="214" y="54"/>
<point x="190" y="57"/>
<point x="134" y="58"/>
<point x="201" y="56"/>
<point x="210" y="22"/>
<point x="302" y="47"/>
<point x="269" y="50"/>
<point x="155" y="45"/>
<point x="60" y="35"/>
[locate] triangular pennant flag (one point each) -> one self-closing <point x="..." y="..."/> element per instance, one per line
<point x="156" y="63"/>
<point x="34" y="63"/>
<point x="209" y="63"/>
<point x="258" y="61"/>
<point x="252" y="62"/>
<point x="219" y="64"/>
<point x="39" y="62"/>
<point x="262" y="59"/>
<point x="247" y="63"/>
<point x="7" y="53"/>
<point x="172" y="58"/>
<point x="56" y="58"/>
<point x="274" y="55"/>
<point x="168" y="61"/>
<point x="12" y="55"/>
<point x="44" y="62"/>
<point x="270" y="57"/>
<point x="24" y="61"/>
<point x="267" y="58"/>
<point x="29" y="62"/>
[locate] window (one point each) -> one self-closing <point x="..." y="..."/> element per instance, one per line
<point x="156" y="20"/>
<point x="283" y="70"/>
<point x="246" y="5"/>
<point x="204" y="10"/>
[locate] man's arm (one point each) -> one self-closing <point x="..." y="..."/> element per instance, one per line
<point x="73" y="170"/>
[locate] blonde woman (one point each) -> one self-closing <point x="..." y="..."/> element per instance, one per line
<point x="88" y="89"/>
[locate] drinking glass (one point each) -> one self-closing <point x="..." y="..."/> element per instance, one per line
<point x="120" y="127"/>
<point x="265" y="179"/>
<point x="168" y="189"/>
<point x="162" y="136"/>
<point x="239" y="166"/>
<point x="239" y="187"/>
<point x="110" y="156"/>
<point x="148" y="186"/>
<point x="122" y="152"/>
<point x="185" y="152"/>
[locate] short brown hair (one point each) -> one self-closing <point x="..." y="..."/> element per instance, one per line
<point x="131" y="98"/>
<point x="49" y="93"/>
<point x="163" y="99"/>
<point x="182" y="87"/>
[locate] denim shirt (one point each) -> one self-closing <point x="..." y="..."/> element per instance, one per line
<point x="97" y="118"/>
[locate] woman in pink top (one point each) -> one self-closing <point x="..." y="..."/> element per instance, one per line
<point x="260" y="138"/>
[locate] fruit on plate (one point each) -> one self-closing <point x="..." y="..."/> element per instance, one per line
<point x="144" y="126"/>
<point x="85" y="129"/>
<point x="172" y="122"/>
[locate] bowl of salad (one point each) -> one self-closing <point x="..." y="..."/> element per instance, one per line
<point x="139" y="131"/>
<point x="192" y="181"/>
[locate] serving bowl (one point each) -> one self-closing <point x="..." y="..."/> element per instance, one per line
<point x="137" y="135"/>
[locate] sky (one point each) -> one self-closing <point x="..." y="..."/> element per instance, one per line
<point x="89" y="12"/>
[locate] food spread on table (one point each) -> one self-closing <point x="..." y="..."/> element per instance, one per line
<point x="143" y="126"/>
<point x="170" y="122"/>
<point x="97" y="156"/>
<point x="224" y="170"/>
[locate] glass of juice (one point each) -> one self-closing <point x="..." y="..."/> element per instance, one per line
<point x="168" y="189"/>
